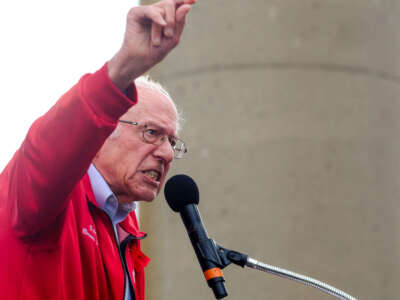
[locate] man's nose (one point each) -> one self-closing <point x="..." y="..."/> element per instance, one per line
<point x="165" y="151"/>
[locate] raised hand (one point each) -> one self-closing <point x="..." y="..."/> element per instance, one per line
<point x="152" y="31"/>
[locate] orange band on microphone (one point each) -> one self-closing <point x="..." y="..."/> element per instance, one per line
<point x="212" y="273"/>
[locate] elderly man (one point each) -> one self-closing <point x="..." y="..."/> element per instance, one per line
<point x="67" y="225"/>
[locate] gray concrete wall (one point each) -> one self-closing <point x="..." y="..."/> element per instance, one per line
<point x="292" y="123"/>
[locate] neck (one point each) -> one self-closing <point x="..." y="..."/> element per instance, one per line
<point x="122" y="198"/>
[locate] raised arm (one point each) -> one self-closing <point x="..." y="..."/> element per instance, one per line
<point x="60" y="145"/>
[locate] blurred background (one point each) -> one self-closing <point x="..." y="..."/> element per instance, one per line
<point x="291" y="118"/>
<point x="292" y="123"/>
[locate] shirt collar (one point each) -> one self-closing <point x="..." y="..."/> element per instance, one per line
<point x="106" y="199"/>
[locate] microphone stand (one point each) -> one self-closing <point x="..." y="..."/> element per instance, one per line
<point x="224" y="257"/>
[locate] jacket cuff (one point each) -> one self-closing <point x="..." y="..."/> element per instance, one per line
<point x="105" y="99"/>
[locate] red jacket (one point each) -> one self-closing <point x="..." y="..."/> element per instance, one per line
<point x="55" y="243"/>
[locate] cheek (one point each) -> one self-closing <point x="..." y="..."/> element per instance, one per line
<point x="135" y="160"/>
<point x="131" y="171"/>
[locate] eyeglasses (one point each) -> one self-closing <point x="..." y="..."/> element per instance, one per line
<point x="154" y="135"/>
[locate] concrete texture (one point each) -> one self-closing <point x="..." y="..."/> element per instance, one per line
<point x="292" y="123"/>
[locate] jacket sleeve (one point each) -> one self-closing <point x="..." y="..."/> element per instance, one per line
<point x="59" y="148"/>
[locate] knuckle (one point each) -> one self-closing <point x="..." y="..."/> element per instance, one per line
<point x="131" y="12"/>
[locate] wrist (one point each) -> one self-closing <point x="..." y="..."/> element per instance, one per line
<point x="118" y="74"/>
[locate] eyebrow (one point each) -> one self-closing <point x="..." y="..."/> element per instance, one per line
<point x="150" y="123"/>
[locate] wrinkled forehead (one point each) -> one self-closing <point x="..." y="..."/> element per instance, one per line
<point x="154" y="107"/>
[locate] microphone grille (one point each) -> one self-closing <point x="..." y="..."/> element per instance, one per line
<point x="181" y="190"/>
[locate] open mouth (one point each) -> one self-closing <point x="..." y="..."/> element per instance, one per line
<point x="155" y="175"/>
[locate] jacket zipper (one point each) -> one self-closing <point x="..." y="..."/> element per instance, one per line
<point x="123" y="262"/>
<point x="121" y="256"/>
<point x="124" y="244"/>
<point x="121" y="250"/>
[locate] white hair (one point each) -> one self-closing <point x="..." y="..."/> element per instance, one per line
<point x="146" y="81"/>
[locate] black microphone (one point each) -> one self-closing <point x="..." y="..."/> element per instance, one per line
<point x="182" y="195"/>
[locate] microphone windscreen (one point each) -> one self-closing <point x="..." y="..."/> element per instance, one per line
<point x="181" y="190"/>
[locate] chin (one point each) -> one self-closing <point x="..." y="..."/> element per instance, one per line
<point x="141" y="191"/>
<point x="145" y="196"/>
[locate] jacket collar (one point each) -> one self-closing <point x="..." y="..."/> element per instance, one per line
<point x="130" y="224"/>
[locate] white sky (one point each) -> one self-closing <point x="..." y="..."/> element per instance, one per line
<point x="46" y="46"/>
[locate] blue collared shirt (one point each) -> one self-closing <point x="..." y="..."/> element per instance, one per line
<point x="107" y="201"/>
